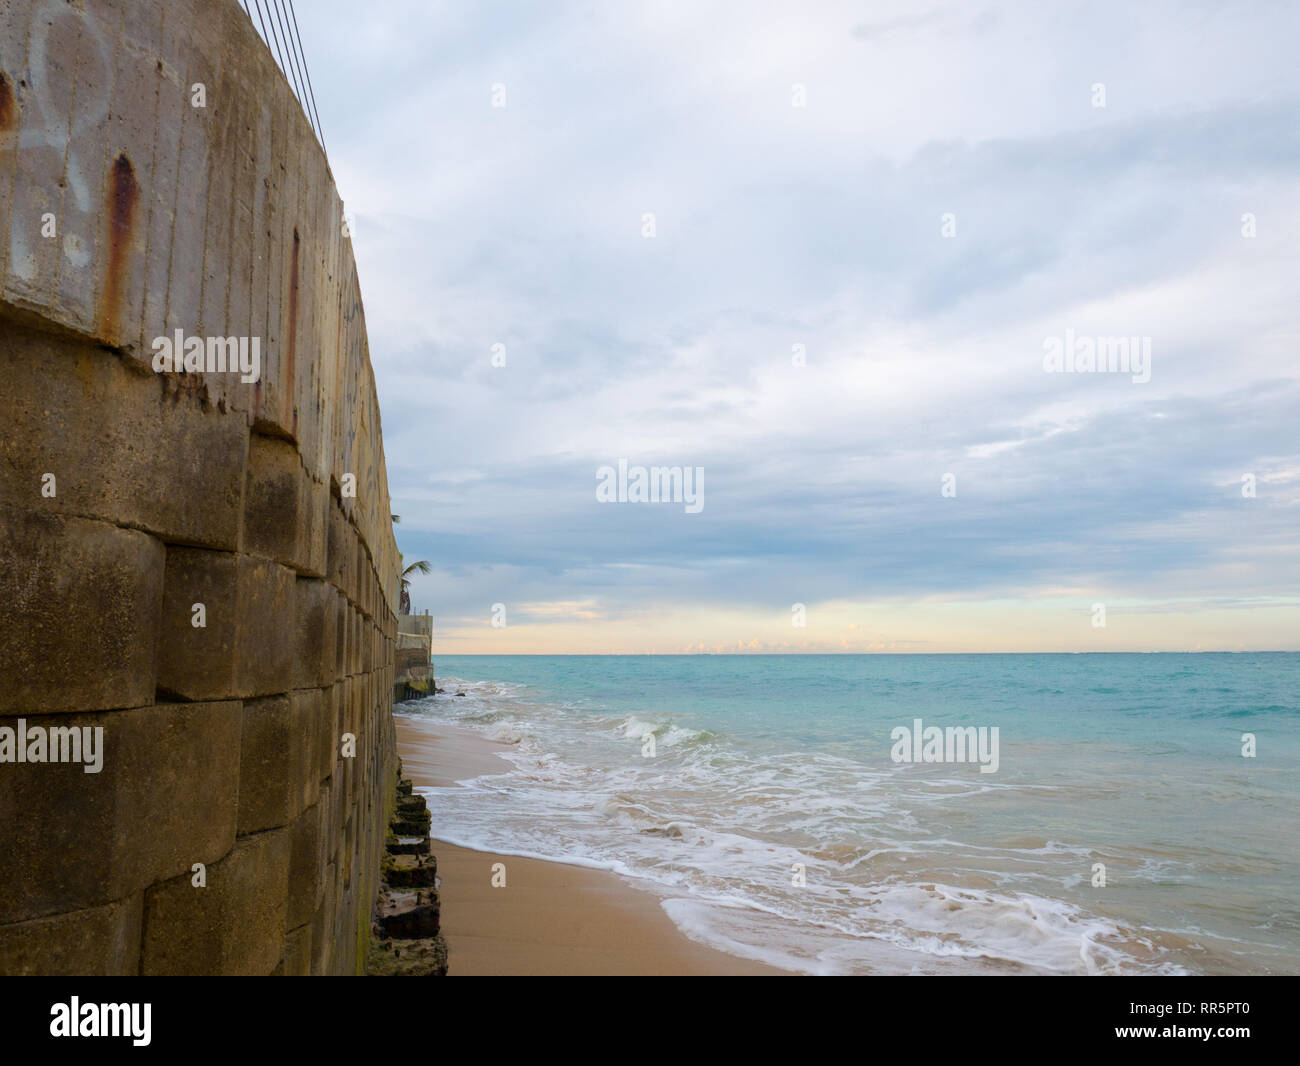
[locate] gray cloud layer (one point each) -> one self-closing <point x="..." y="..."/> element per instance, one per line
<point x="820" y="226"/>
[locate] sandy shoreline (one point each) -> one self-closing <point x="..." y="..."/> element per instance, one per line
<point x="550" y="918"/>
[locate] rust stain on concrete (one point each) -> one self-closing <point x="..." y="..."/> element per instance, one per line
<point x="123" y="195"/>
<point x="8" y="105"/>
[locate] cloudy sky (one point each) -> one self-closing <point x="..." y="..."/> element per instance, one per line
<point x="870" y="220"/>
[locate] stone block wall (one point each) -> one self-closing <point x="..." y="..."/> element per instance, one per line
<point x="412" y="665"/>
<point x="129" y="496"/>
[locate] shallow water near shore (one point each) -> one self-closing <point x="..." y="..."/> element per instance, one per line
<point x="771" y="769"/>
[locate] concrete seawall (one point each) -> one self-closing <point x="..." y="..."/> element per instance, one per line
<point x="237" y="821"/>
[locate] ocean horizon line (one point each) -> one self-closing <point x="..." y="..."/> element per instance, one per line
<point x="837" y="654"/>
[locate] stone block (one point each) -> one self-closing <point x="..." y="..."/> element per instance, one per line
<point x="408" y="958"/>
<point x="96" y="942"/>
<point x="343" y="551"/>
<point x="265" y="759"/>
<point x="246" y="646"/>
<point x="307" y="863"/>
<point x="413" y="871"/>
<point x="164" y="798"/>
<point x="416" y="923"/>
<point x="314" y="656"/>
<point x="79" y="623"/>
<point x="329" y="753"/>
<point x="341" y="633"/>
<point x="198" y="662"/>
<point x="147" y="451"/>
<point x="279" y="757"/>
<point x="234" y="925"/>
<point x="315" y="561"/>
<point x="322" y="925"/>
<point x="312" y="713"/>
<point x="275" y="502"/>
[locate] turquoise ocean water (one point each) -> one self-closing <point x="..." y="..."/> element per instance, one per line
<point x="779" y="827"/>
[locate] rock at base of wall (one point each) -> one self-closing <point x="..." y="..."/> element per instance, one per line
<point x="411" y="871"/>
<point x="409" y="846"/>
<point x="413" y="924"/>
<point x="405" y="937"/>
<point x="407" y="958"/>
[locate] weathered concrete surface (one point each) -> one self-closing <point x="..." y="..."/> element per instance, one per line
<point x="203" y="567"/>
<point x="412" y="669"/>
<point x="99" y="942"/>
<point x="51" y="663"/>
